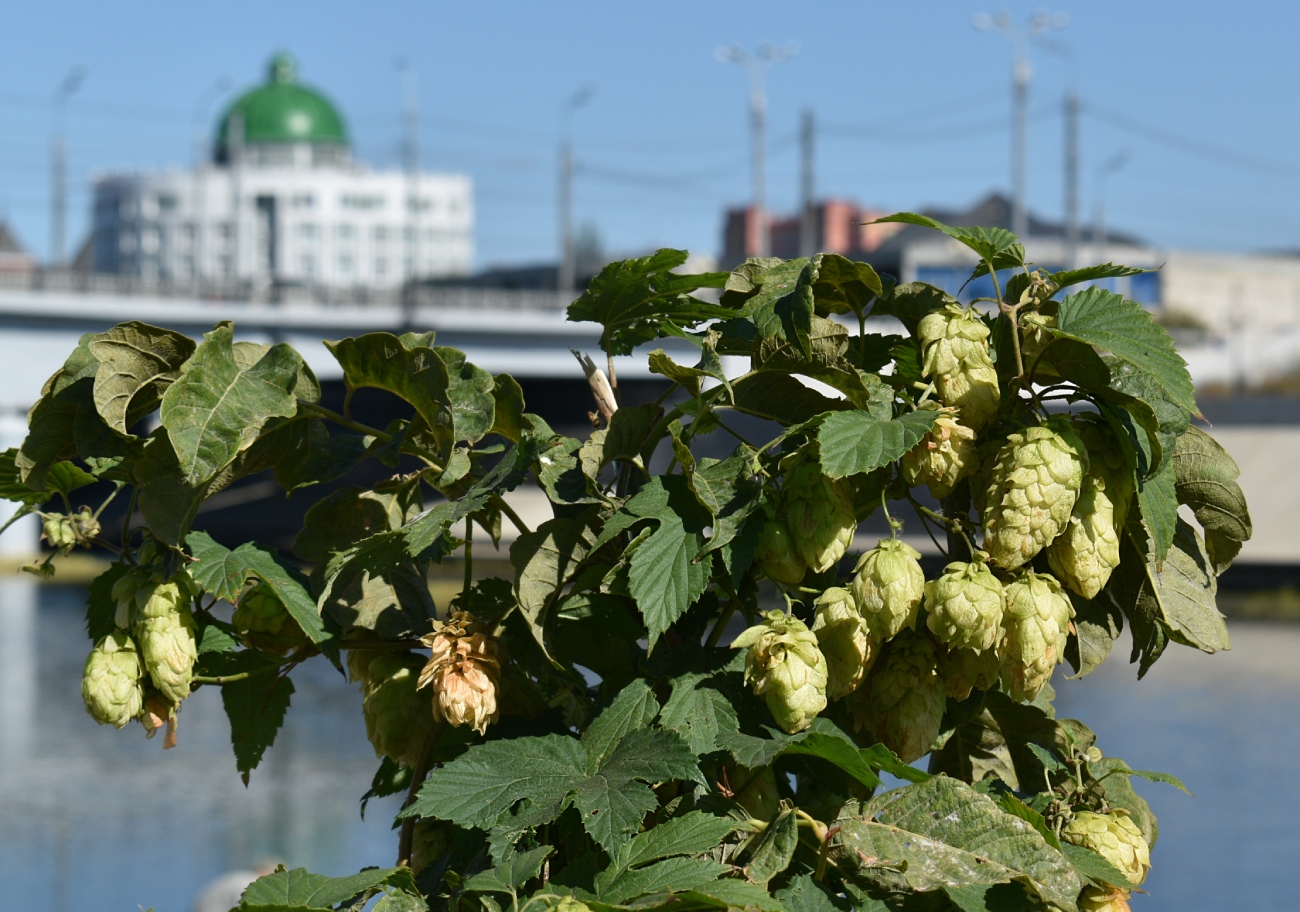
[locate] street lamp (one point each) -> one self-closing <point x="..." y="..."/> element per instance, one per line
<point x="757" y="65"/>
<point x="1020" y="36"/>
<point x="59" y="163"/>
<point x="1104" y="170"/>
<point x="566" y="276"/>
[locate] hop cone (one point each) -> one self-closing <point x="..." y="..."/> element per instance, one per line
<point x="785" y="667"/>
<point x="112" y="681"/>
<point x="570" y="904"/>
<point x="955" y="351"/>
<point x="965" y="606"/>
<point x="945" y="456"/>
<point x="397" y="717"/>
<point x="60" y="532"/>
<point x="777" y="554"/>
<point x="264" y="621"/>
<point x="901" y="704"/>
<point x="964" y="670"/>
<point x="845" y="642"/>
<point x="1115" y="838"/>
<point x="464" y="671"/>
<point x="1031" y="491"/>
<point x="159" y="712"/>
<point x="1086" y="553"/>
<point x="1034" y="339"/>
<point x="1036" y="623"/>
<point x="888" y="585"/>
<point x="1107" y="460"/>
<point x="429" y="842"/>
<point x="1096" y="899"/>
<point x="359" y="659"/>
<point x="164" y="628"/>
<point x="819" y="511"/>
<point x="129" y="592"/>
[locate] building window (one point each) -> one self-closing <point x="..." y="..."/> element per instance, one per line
<point x="226" y="266"/>
<point x="303" y="201"/>
<point x="187" y="267"/>
<point x="345" y="265"/>
<point x="225" y="230"/>
<point x="379" y="233"/>
<point x="307" y="231"/>
<point x="408" y="234"/>
<point x="166" y="202"/>
<point x="351" y="201"/>
<point x="408" y="266"/>
<point x="307" y="265"/>
<point x="344" y="232"/>
<point x="381" y="267"/>
<point x="188" y="232"/>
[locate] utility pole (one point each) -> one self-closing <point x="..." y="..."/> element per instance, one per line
<point x="566" y="275"/>
<point x="1020" y="75"/>
<point x="808" y="239"/>
<point x="767" y="56"/>
<point x="59" y="165"/>
<point x="411" y="165"/>
<point x="1072" y="180"/>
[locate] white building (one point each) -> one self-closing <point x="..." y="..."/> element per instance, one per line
<point x="282" y="202"/>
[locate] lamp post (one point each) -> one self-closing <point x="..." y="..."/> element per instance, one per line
<point x="59" y="164"/>
<point x="1020" y="36"/>
<point x="566" y="276"/>
<point x="757" y="65"/>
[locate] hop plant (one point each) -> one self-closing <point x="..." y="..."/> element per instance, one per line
<point x="965" y="606"/>
<point x="1031" y="491"/>
<point x="777" y="554"/>
<point x="398" y="719"/>
<point x="820" y="513"/>
<point x="888" y="585"/>
<point x="159" y="713"/>
<point x="429" y="842"/>
<point x="1037" y="623"/>
<point x="901" y="703"/>
<point x="164" y="628"/>
<point x="1115" y="838"/>
<point x="264" y="623"/>
<point x="755" y="790"/>
<point x="1035" y="336"/>
<point x="464" y="671"/>
<point x="1097" y="899"/>
<point x="955" y="352"/>
<point x="964" y="670"/>
<point x="785" y="666"/>
<point x="1087" y="552"/>
<point x="844" y="640"/>
<point x="945" y="456"/>
<point x="112" y="682"/>
<point x="359" y="659"/>
<point x="1106" y="460"/>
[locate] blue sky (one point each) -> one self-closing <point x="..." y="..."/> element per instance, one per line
<point x="664" y="141"/>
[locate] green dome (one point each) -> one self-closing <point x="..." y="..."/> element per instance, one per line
<point x="283" y="111"/>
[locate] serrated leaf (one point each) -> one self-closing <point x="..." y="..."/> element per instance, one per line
<point x="255" y="706"/>
<point x="641" y="299"/>
<point x="298" y="889"/>
<point x="1182" y="594"/>
<point x="690" y="834"/>
<point x="1123" y="328"/>
<point x="986" y="242"/>
<point x="823" y="739"/>
<point x="664" y="577"/>
<point x="100" y="605"/>
<point x="1158" y="503"/>
<point x="1205" y="479"/>
<point x="400" y="901"/>
<point x="545" y="560"/>
<point x="137" y="364"/>
<point x="872" y="351"/>
<point x="1093" y="273"/>
<point x="405" y="366"/>
<point x="633" y="708"/>
<point x="1003" y="897"/>
<point x="728" y="893"/>
<point x="1094" y="867"/>
<point x="690" y="379"/>
<point x="469" y="391"/>
<point x="774" y="849"/>
<point x="1120" y="794"/>
<point x="671" y="876"/>
<point x="509" y="877"/>
<point x="843" y="285"/>
<point x="1163" y="778"/>
<point x="803" y="894"/>
<point x="782" y="398"/>
<point x="1098" y="624"/>
<point x="508" y="414"/>
<point x="214" y="410"/>
<point x="698" y="714"/>
<point x="64" y="478"/>
<point x="857" y="442"/>
<point x="942" y="833"/>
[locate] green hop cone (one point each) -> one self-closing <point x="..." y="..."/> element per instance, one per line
<point x="888" y="585"/>
<point x="901" y="703"/>
<point x="964" y="670"/>
<point x="965" y="606"/>
<point x="1106" y="459"/>
<point x="1115" y="838"/>
<point x="59" y="531"/>
<point x="945" y="456"/>
<point x="1036" y="623"/>
<point x="777" y="554"/>
<point x="819" y="512"/>
<point x="359" y="659"/>
<point x="1087" y="551"/>
<point x="785" y="667"/>
<point x="955" y="352"/>
<point x="1098" y="899"/>
<point x="570" y="904"/>
<point x="429" y="842"/>
<point x="1035" y="336"/>
<point x="398" y="719"/>
<point x="112" y="682"/>
<point x="845" y="641"/>
<point x="164" y="628"/>
<point x="1031" y="491"/>
<point x="264" y="623"/>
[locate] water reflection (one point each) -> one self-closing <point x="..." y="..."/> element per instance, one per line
<point x="97" y="819"/>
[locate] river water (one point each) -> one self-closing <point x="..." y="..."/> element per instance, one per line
<point x="98" y="820"/>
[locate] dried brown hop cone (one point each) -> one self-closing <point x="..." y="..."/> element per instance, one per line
<point x="464" y="671"/>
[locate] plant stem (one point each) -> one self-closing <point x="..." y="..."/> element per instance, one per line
<point x="417" y="779"/>
<point x="613" y="378"/>
<point x="716" y="633"/>
<point x="509" y="511"/>
<point x="342" y="421"/>
<point x="469" y="554"/>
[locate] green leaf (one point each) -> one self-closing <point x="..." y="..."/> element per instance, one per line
<point x="698" y="714"/>
<point x="857" y="442"/>
<point x="508" y="414"/>
<point x="1120" y="794"/>
<point x="823" y="739"/>
<point x="633" y="708"/>
<point x="665" y="579"/>
<point x="1163" y="778"/>
<point x="616" y="885"/>
<point x="222" y="572"/>
<point x="774" y="850"/>
<point x="137" y="362"/>
<point x="986" y="242"/>
<point x="942" y="833"/>
<point x="405" y="366"/>
<point x="546" y="560"/>
<point x="64" y="478"/>
<point x="843" y="285"/>
<point x="1158" y="503"/>
<point x="911" y="302"/>
<point x="803" y="894"/>
<point x="256" y="707"/>
<point x="691" y="379"/>
<point x="872" y="351"/>
<point x="1205" y="479"/>
<point x="1123" y="328"/>
<point x="473" y="408"/>
<point x="691" y="834"/>
<point x="311" y="455"/>
<point x="1003" y="897"/>
<point x="1098" y="623"/>
<point x="298" y="889"/>
<point x="838" y="751"/>
<point x="400" y="901"/>
<point x="728" y="893"/>
<point x="100" y="605"/>
<point x="1094" y="867"/>
<point x="1093" y="273"/>
<point x="641" y="299"/>
<point x="215" y="410"/>
<point x="509" y="877"/>
<point x="782" y="398"/>
<point x="1184" y="592"/>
